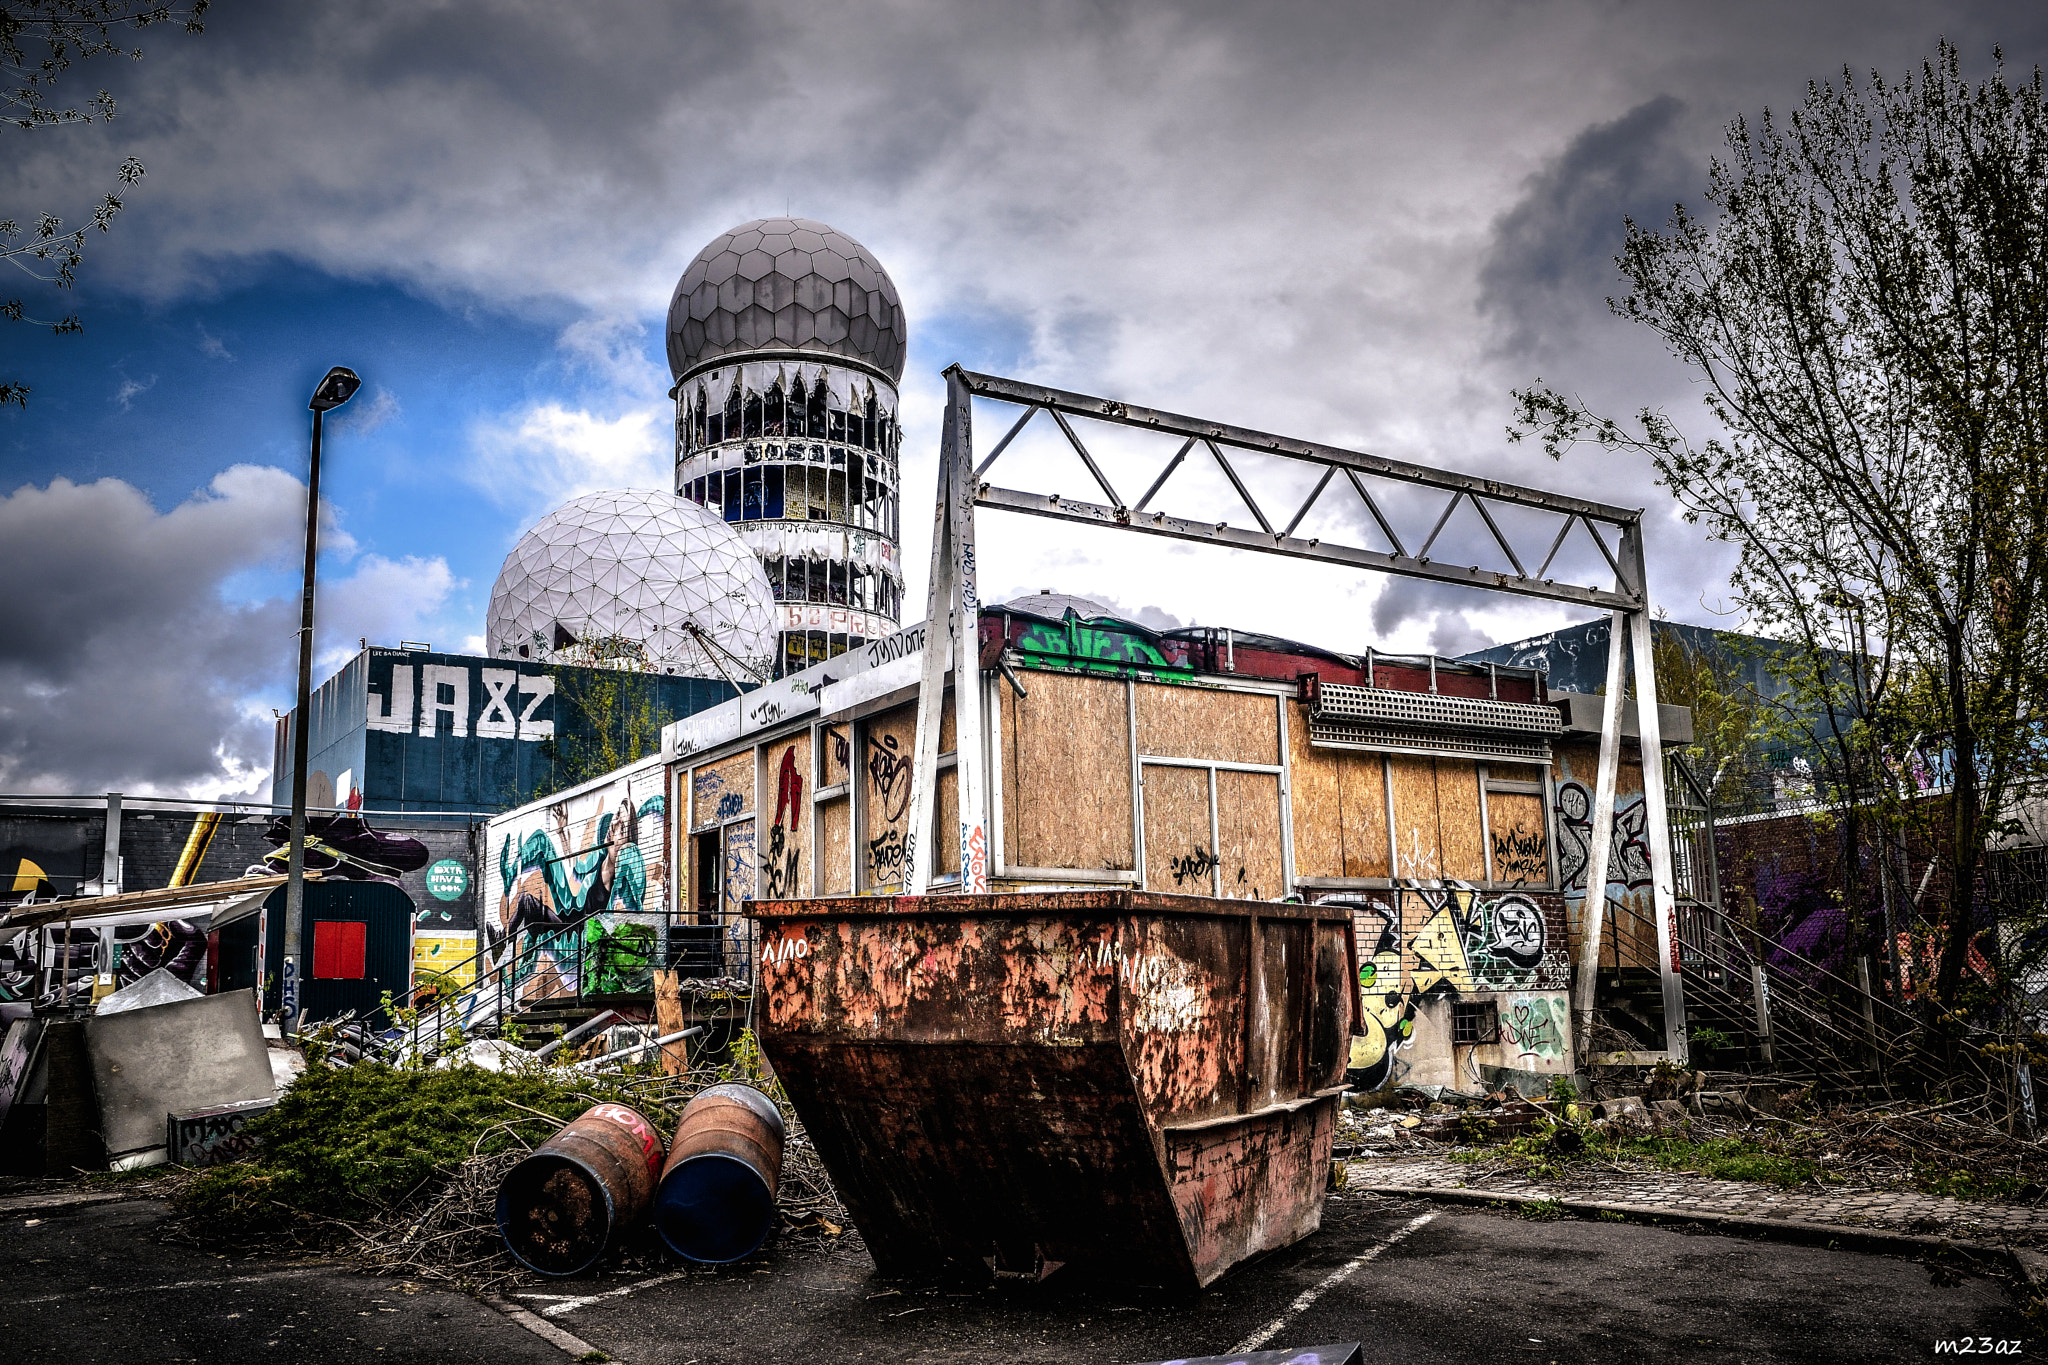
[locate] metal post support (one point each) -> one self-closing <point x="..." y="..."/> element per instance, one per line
<point x="970" y="762"/>
<point x="110" y="858"/>
<point x="1656" y="811"/>
<point x="940" y="599"/>
<point x="1593" y="907"/>
<point x="295" y="886"/>
<point x="1760" y="991"/>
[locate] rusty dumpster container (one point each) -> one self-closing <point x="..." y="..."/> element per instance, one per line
<point x="1145" y="1084"/>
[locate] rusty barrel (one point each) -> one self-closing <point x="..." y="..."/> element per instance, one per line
<point x="564" y="1206"/>
<point x="716" y="1202"/>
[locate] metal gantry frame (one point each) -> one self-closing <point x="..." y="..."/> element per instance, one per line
<point x="954" y="600"/>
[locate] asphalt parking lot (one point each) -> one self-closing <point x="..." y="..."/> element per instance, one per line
<point x="1415" y="1283"/>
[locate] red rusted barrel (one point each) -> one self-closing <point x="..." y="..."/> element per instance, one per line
<point x="564" y="1206"/>
<point x="717" y="1197"/>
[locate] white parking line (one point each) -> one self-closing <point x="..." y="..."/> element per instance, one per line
<point x="1330" y="1281"/>
<point x="566" y="1342"/>
<point x="555" y="1310"/>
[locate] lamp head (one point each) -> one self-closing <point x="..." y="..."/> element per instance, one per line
<point x="337" y="388"/>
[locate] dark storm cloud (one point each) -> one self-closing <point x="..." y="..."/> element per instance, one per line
<point x="1352" y="223"/>
<point x="121" y="665"/>
<point x="1551" y="263"/>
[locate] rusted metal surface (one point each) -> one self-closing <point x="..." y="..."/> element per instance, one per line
<point x="1144" y="1083"/>
<point x="564" y="1206"/>
<point x="716" y="1201"/>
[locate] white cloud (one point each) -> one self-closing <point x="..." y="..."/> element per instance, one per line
<point x="366" y="415"/>
<point x="131" y="389"/>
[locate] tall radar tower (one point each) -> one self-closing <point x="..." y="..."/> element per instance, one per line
<point x="786" y="340"/>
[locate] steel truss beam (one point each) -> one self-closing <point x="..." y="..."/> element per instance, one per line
<point x="953" y="622"/>
<point x="1216" y="436"/>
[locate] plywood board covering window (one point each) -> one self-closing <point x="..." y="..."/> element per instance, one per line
<point x="1457" y="813"/>
<point x="835" y="754"/>
<point x="835" y="857"/>
<point x="1067" y="774"/>
<point x="1340" y="806"/>
<point x="722" y="791"/>
<point x="1248" y="834"/>
<point x="1221" y="727"/>
<point x="786" y="851"/>
<point x="1518" y="848"/>
<point x="1180" y="853"/>
<point x="1418" y="843"/>
<point x="885" y="788"/>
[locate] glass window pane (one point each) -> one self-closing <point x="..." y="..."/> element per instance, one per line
<point x="774" y="413"/>
<point x="771" y="491"/>
<point x="732" y="495"/>
<point x="752" y="509"/>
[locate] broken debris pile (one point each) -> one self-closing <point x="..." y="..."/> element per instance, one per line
<point x="399" y="1168"/>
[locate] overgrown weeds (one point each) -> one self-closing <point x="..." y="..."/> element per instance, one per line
<point x="1554" y="1150"/>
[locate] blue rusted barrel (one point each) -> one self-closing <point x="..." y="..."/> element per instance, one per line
<point x="567" y="1204"/>
<point x="716" y="1202"/>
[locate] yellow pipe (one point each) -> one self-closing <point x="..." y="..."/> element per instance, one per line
<point x="196" y="844"/>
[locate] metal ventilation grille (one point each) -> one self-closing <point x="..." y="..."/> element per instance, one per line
<point x="1381" y="705"/>
<point x="1399" y="739"/>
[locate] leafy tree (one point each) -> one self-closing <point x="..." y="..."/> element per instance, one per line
<point x="605" y="718"/>
<point x="1865" y="306"/>
<point x="39" y="41"/>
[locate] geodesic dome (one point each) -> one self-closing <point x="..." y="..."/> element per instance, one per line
<point x="619" y="578"/>
<point x="786" y="284"/>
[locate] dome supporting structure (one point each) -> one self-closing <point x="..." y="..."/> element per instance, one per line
<point x="954" y="604"/>
<point x="786" y="340"/>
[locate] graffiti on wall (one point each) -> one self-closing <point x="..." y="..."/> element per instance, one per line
<point x="782" y="863"/>
<point x="575" y="878"/>
<point x="1628" y="856"/>
<point x="1444" y="940"/>
<point x="1535" y="1027"/>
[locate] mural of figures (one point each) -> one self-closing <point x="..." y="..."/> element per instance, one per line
<point x="574" y="878"/>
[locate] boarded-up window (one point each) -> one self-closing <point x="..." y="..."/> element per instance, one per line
<point x="1437" y="834"/>
<point x="1067" y="774"/>
<point x="786" y="852"/>
<point x="888" y="741"/>
<point x="1418" y="845"/>
<point x="1196" y="722"/>
<point x="835" y="754"/>
<point x="1248" y="834"/>
<point x="1457" y="812"/>
<point x="1340" y="807"/>
<point x="722" y="791"/>
<point x="1516" y="842"/>
<point x="835" y="855"/>
<point x="1180" y="851"/>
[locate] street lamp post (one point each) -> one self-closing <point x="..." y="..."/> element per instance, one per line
<point x="337" y="388"/>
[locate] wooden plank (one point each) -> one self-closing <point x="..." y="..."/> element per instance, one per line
<point x="737" y="887"/>
<point x="1418" y="844"/>
<point x="1516" y="839"/>
<point x="1363" y="798"/>
<point x="1067" y="774"/>
<point x="885" y="779"/>
<point x="835" y="864"/>
<point x="1248" y="834"/>
<point x="668" y="1018"/>
<point x="786" y="852"/>
<point x="1458" y="822"/>
<point x="948" y="823"/>
<point x="1315" y="789"/>
<point x="835" y="761"/>
<point x="723" y="790"/>
<point x="1178" y="853"/>
<point x="1199" y="722"/>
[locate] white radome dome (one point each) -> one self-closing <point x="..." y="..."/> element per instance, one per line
<point x="620" y="578"/>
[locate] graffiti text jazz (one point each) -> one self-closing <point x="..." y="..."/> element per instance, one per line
<point x="455" y="699"/>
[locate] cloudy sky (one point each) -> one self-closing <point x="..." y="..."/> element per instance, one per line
<point x="1358" y="223"/>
